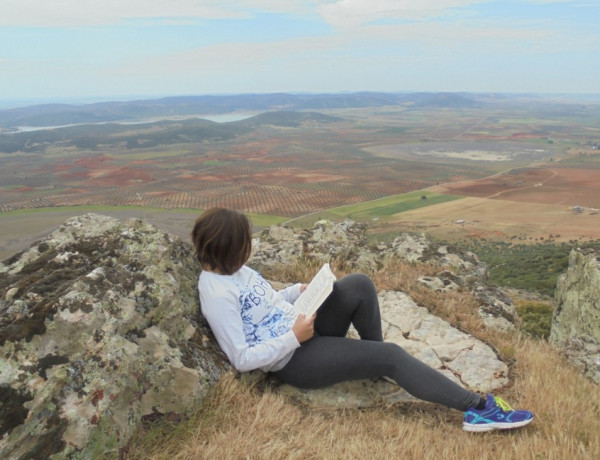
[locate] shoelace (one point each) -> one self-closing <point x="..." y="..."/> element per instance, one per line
<point x="502" y="404"/>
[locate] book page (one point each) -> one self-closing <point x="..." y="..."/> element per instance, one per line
<point x="316" y="292"/>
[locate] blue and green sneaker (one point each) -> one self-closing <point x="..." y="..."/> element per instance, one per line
<point x="497" y="415"/>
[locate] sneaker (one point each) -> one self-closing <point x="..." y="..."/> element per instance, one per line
<point x="497" y="415"/>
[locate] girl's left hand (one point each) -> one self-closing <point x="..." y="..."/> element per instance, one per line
<point x="304" y="327"/>
<point x="303" y="287"/>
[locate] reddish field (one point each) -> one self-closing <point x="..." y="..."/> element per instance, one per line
<point x="568" y="187"/>
<point x="248" y="177"/>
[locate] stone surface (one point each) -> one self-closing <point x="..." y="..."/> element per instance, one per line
<point x="99" y="327"/>
<point x="347" y="242"/>
<point x="576" y="320"/>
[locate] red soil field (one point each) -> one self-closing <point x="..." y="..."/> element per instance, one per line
<point x="544" y="185"/>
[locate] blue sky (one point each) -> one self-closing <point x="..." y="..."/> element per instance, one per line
<point x="97" y="49"/>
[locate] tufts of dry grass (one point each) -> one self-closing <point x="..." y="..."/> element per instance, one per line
<point x="240" y="421"/>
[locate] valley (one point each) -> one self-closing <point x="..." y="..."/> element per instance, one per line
<point x="480" y="166"/>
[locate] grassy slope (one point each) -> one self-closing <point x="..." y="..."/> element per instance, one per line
<point x="239" y="421"/>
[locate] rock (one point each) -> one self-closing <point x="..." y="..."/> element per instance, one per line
<point x="462" y="358"/>
<point x="438" y="283"/>
<point x="99" y="327"/>
<point x="497" y="309"/>
<point x="324" y="242"/>
<point x="576" y="319"/>
<point x="347" y="242"/>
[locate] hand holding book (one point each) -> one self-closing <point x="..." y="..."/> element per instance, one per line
<point x="304" y="327"/>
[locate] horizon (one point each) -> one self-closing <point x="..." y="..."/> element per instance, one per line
<point x="8" y="103"/>
<point x="111" y="50"/>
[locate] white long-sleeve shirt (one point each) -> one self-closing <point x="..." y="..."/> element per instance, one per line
<point x="251" y="321"/>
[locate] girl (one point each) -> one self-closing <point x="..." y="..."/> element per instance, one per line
<point x="258" y="328"/>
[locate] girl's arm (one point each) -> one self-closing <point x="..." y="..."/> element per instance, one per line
<point x="226" y="324"/>
<point x="291" y="293"/>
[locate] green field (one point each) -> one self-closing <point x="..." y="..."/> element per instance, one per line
<point x="388" y="206"/>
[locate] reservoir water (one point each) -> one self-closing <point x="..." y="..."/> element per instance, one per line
<point x="217" y="118"/>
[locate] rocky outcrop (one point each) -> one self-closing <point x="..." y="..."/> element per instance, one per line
<point x="347" y="242"/>
<point x="576" y="320"/>
<point x="99" y="327"/>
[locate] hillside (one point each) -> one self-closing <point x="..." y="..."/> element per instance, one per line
<point x="112" y="355"/>
<point x="148" y="135"/>
<point x="62" y="114"/>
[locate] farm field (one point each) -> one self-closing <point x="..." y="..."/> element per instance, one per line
<point x="552" y="185"/>
<point x="396" y="167"/>
<point x="496" y="219"/>
<point x="284" y="173"/>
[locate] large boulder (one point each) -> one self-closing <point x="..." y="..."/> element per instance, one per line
<point x="99" y="327"/>
<point x="576" y="319"/>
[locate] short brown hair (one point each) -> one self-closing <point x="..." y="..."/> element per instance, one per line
<point x="222" y="239"/>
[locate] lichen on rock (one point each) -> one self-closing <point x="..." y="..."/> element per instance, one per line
<point x="99" y="327"/>
<point x="576" y="319"/>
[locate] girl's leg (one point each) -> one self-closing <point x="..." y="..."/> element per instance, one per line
<point x="353" y="301"/>
<point x="323" y="361"/>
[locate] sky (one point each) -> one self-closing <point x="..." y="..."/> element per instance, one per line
<point x="65" y="50"/>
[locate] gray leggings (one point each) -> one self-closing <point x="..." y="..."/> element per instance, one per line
<point x="329" y="357"/>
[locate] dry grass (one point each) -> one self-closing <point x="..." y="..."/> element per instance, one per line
<point x="239" y="421"/>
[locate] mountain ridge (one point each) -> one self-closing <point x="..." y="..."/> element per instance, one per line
<point x="58" y="114"/>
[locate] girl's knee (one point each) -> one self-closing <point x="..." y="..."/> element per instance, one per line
<point x="359" y="282"/>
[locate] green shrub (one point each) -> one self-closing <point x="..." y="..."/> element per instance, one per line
<point x="536" y="318"/>
<point x="532" y="267"/>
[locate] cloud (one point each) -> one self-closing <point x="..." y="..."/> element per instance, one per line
<point x="349" y="13"/>
<point x="235" y="58"/>
<point x="80" y="13"/>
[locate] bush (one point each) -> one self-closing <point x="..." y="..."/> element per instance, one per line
<point x="532" y="267"/>
<point x="536" y="318"/>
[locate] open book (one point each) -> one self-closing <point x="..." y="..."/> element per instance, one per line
<point x="316" y="292"/>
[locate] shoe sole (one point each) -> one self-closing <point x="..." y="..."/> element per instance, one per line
<point x="481" y="427"/>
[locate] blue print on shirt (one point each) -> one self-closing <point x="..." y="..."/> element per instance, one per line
<point x="261" y="319"/>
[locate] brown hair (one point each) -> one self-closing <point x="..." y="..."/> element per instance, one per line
<point x="223" y="240"/>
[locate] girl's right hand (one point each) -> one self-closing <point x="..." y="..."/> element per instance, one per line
<point x="304" y="327"/>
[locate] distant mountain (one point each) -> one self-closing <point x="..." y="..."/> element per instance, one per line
<point x="287" y="118"/>
<point x="64" y="114"/>
<point x="90" y="136"/>
<point x="440" y="100"/>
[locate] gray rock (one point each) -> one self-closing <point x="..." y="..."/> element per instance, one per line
<point x="99" y="327"/>
<point x="438" y="283"/>
<point x="496" y="309"/>
<point x="576" y="319"/>
<point x="347" y="242"/>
